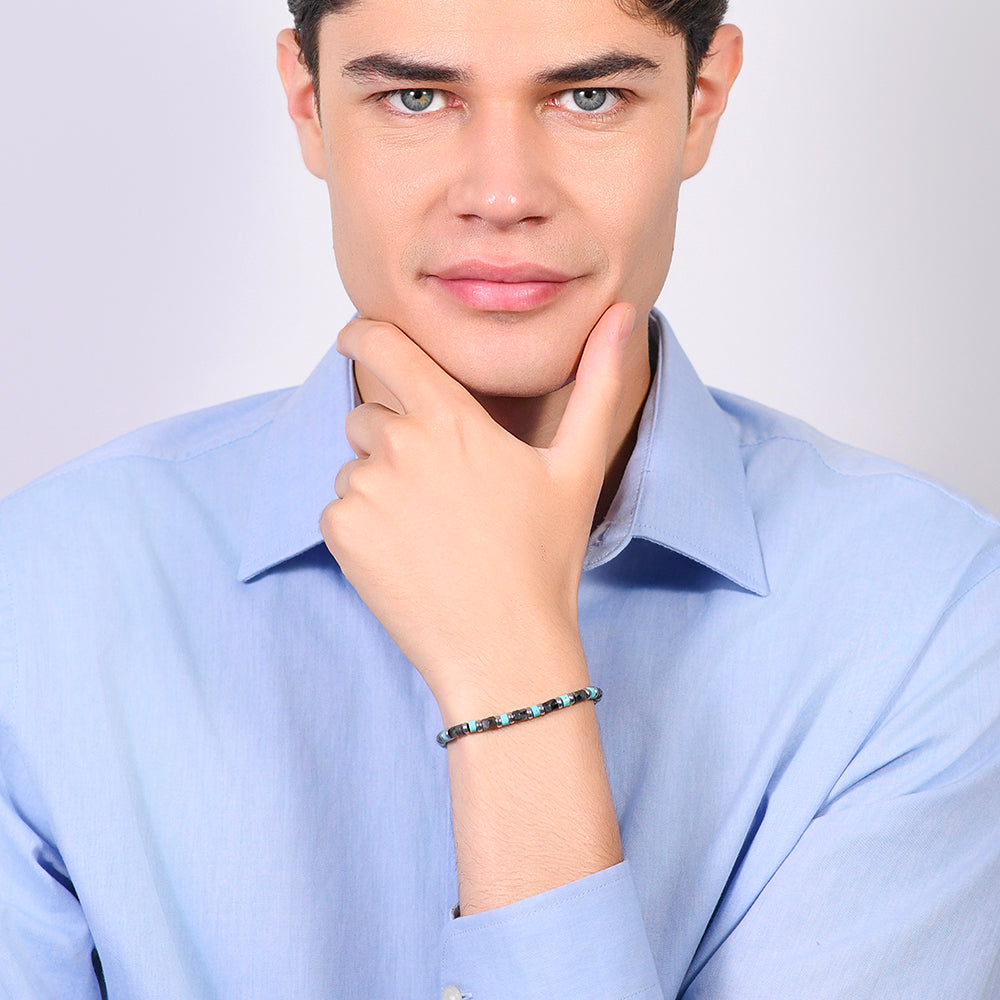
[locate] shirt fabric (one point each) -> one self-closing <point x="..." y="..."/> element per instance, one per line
<point x="219" y="770"/>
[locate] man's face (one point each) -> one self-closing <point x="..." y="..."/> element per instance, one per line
<point x="493" y="186"/>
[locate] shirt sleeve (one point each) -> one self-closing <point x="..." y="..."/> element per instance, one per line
<point x="46" y="950"/>
<point x="584" y="940"/>
<point x="893" y="890"/>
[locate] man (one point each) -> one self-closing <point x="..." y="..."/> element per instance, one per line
<point x="227" y="642"/>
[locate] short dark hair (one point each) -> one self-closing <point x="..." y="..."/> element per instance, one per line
<point x="696" y="20"/>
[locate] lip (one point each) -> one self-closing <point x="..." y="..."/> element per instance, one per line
<point x="516" y="272"/>
<point x="493" y="287"/>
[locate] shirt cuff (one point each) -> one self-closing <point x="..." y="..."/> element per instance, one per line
<point x="586" y="940"/>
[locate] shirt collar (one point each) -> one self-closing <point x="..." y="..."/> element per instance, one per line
<point x="304" y="449"/>
<point x="684" y="487"/>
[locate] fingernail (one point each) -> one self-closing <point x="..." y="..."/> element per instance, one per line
<point x="626" y="326"/>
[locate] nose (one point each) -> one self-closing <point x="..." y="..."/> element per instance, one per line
<point x="502" y="174"/>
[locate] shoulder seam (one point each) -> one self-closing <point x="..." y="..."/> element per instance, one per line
<point x="78" y="465"/>
<point x="897" y="472"/>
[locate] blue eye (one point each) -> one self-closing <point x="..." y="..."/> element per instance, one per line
<point x="589" y="100"/>
<point x="417" y="101"/>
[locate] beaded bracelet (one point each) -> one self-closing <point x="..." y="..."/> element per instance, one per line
<point x="446" y="736"/>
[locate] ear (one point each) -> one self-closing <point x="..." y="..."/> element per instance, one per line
<point x="298" y="83"/>
<point x="716" y="77"/>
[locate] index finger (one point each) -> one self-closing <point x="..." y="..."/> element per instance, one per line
<point x="407" y="371"/>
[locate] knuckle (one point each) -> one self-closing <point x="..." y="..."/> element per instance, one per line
<point x="396" y="439"/>
<point x="351" y="480"/>
<point x="331" y="523"/>
<point x="354" y="427"/>
<point x="360" y="484"/>
<point x="347" y="335"/>
<point x="379" y="338"/>
<point x="339" y="526"/>
<point x="364" y="337"/>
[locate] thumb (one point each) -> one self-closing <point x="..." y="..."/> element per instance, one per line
<point x="584" y="432"/>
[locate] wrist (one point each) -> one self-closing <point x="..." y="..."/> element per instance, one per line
<point x="514" y="681"/>
<point x="517" y="716"/>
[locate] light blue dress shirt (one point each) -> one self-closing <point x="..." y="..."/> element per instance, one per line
<point x="218" y="769"/>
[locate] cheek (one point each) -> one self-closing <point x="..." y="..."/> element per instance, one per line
<point x="639" y="225"/>
<point x="656" y="238"/>
<point x="374" y="199"/>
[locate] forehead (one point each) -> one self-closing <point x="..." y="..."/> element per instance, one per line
<point x="495" y="38"/>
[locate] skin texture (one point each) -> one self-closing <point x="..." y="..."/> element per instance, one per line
<point x="481" y="463"/>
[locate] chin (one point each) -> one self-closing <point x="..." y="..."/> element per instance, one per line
<point x="536" y="388"/>
<point x="519" y="355"/>
<point x="511" y="363"/>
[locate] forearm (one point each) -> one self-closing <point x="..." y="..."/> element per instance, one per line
<point x="467" y="543"/>
<point x="531" y="804"/>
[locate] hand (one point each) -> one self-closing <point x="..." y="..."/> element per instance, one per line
<point x="466" y="543"/>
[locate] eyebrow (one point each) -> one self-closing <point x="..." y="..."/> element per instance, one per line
<point x="391" y="67"/>
<point x="597" y="67"/>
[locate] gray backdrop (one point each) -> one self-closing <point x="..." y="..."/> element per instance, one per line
<point x="163" y="248"/>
